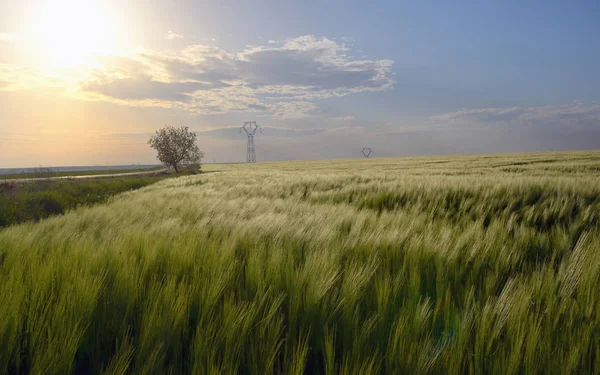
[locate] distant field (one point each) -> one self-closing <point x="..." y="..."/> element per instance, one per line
<point x="39" y="199"/>
<point x="463" y="264"/>
<point x="35" y="201"/>
<point x="49" y="173"/>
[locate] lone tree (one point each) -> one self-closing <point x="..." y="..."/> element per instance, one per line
<point x="176" y="146"/>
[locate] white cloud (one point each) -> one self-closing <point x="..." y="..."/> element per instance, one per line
<point x="10" y="37"/>
<point x="21" y="77"/>
<point x="171" y="35"/>
<point x="344" y="118"/>
<point x="485" y="115"/>
<point x="267" y="131"/>
<point x="292" y="110"/>
<point x="282" y="79"/>
<point x="577" y="114"/>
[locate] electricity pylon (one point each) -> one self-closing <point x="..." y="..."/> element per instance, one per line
<point x="366" y="152"/>
<point x="250" y="128"/>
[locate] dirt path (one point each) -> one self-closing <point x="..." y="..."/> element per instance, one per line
<point x="87" y="177"/>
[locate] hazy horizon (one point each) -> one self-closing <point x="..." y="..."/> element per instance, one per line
<point x="88" y="82"/>
<point x="83" y="167"/>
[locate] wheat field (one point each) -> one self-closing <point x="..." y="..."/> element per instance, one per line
<point x="461" y="264"/>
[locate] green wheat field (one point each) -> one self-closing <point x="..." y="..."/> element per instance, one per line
<point x="462" y="264"/>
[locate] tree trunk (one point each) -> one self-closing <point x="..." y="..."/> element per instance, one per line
<point x="176" y="168"/>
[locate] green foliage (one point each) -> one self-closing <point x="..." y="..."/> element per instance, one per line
<point x="176" y="146"/>
<point x="414" y="265"/>
<point x="38" y="200"/>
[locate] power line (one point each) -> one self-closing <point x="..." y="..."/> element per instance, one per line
<point x="250" y="128"/>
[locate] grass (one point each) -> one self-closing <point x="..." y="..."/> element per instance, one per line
<point x="467" y="264"/>
<point x="33" y="201"/>
<point x="51" y="173"/>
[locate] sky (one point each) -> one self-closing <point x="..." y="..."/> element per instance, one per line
<point x="88" y="82"/>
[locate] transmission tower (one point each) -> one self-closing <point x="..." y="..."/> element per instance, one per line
<point x="366" y="152"/>
<point x="250" y="128"/>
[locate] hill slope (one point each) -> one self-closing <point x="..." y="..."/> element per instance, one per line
<point x="447" y="264"/>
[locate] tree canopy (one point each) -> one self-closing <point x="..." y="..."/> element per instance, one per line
<point x="176" y="146"/>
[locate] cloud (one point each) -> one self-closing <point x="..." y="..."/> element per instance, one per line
<point x="10" y="37"/>
<point x="577" y="114"/>
<point x="234" y="133"/>
<point x="292" y="110"/>
<point x="282" y="79"/>
<point x="144" y="87"/>
<point x="229" y="132"/>
<point x="171" y="35"/>
<point x="486" y="115"/>
<point x="20" y="77"/>
<point x="344" y="118"/>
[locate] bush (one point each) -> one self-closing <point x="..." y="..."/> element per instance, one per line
<point x="39" y="200"/>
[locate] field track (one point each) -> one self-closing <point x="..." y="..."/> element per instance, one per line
<point x="86" y="177"/>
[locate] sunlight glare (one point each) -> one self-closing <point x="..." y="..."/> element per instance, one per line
<point x="69" y="32"/>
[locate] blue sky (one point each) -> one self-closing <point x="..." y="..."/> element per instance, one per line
<point x="324" y="78"/>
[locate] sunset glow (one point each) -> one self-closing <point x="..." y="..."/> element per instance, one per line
<point x="401" y="78"/>
<point x="70" y="33"/>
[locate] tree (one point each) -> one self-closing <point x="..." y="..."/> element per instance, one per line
<point x="176" y="146"/>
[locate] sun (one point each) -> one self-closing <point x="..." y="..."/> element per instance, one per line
<point x="70" y="32"/>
